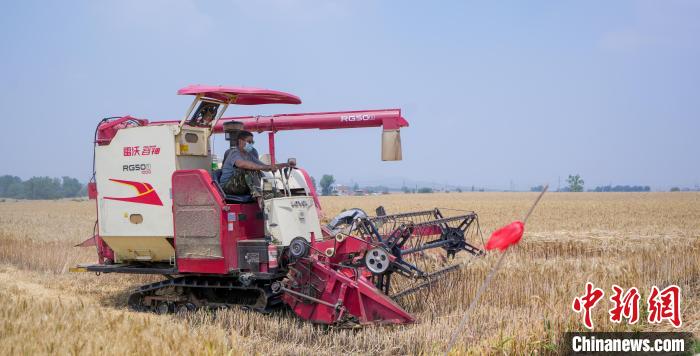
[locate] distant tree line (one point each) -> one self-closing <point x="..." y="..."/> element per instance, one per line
<point x="40" y="188"/>
<point x="623" y="188"/>
<point x="422" y="190"/>
<point x="686" y="189"/>
<point x="377" y="189"/>
<point x="575" y="184"/>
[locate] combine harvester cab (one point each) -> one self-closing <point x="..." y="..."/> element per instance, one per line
<point x="161" y="210"/>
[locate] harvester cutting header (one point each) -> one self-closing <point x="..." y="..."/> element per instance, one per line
<point x="161" y="210"/>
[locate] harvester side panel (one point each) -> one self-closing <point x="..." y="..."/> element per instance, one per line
<point x="133" y="180"/>
<point x="291" y="217"/>
<point x="197" y="214"/>
<point x="133" y="192"/>
<point x="207" y="230"/>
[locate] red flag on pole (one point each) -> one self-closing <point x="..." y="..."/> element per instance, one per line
<point x="506" y="236"/>
<point x="500" y="239"/>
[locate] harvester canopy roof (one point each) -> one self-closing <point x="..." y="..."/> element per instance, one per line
<point x="240" y="96"/>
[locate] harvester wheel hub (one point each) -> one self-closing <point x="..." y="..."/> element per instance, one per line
<point x="298" y="248"/>
<point x="163" y="308"/>
<point x="185" y="308"/>
<point x="377" y="260"/>
<point x="455" y="241"/>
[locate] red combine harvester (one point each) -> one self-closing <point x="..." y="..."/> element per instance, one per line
<point x="161" y="210"/>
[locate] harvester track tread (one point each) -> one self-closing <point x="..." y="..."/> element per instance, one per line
<point x="192" y="285"/>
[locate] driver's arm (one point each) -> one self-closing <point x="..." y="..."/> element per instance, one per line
<point x="252" y="166"/>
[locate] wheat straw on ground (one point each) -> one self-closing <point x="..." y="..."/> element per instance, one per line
<point x="629" y="239"/>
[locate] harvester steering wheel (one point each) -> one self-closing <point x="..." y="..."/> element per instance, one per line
<point x="287" y="171"/>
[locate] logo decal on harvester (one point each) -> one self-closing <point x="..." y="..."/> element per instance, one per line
<point x="144" y="168"/>
<point x="299" y="204"/>
<point x="149" y="150"/>
<point x="146" y="193"/>
<point x="363" y="117"/>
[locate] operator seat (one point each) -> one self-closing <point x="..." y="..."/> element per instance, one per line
<point x="230" y="198"/>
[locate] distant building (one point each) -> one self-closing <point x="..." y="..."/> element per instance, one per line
<point x="360" y="192"/>
<point x="340" y="189"/>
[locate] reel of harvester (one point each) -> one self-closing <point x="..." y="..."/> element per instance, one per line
<point x="350" y="279"/>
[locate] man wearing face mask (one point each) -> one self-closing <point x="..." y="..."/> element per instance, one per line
<point x="240" y="174"/>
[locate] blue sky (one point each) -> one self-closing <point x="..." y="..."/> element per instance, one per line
<point x="494" y="91"/>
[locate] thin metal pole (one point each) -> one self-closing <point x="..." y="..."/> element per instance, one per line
<point x="487" y="281"/>
<point x="271" y="144"/>
<point x="532" y="208"/>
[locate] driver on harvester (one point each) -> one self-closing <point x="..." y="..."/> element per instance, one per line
<point x="241" y="171"/>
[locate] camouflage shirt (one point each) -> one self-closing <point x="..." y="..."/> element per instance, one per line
<point x="232" y="155"/>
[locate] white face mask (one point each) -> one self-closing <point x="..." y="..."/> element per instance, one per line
<point x="248" y="147"/>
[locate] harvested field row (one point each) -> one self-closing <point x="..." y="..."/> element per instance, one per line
<point x="632" y="239"/>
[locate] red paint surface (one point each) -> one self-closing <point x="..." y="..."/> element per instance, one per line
<point x="92" y="190"/>
<point x="200" y="265"/>
<point x="352" y="294"/>
<point x="146" y="194"/>
<point x="241" y="96"/>
<point x="389" y="119"/>
<point x="271" y="144"/>
<point x="107" y="130"/>
<point x="312" y="191"/>
<point x="104" y="252"/>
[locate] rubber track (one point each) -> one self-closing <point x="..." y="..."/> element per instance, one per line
<point x="205" y="283"/>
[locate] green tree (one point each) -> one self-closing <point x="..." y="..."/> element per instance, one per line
<point x="42" y="188"/>
<point x="5" y="182"/>
<point x="313" y="182"/>
<point x="675" y="189"/>
<point x="16" y="190"/>
<point x="425" y="190"/>
<point x="70" y="187"/>
<point x="326" y="184"/>
<point x="355" y="187"/>
<point x="575" y="183"/>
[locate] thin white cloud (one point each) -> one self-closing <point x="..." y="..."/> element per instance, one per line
<point x="176" y="18"/>
<point x="627" y="39"/>
<point x="657" y="24"/>
<point x="295" y="10"/>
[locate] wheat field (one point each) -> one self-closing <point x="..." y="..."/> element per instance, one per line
<point x="628" y="239"/>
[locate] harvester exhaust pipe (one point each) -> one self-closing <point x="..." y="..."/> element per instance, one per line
<point x="231" y="130"/>
<point x="391" y="145"/>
